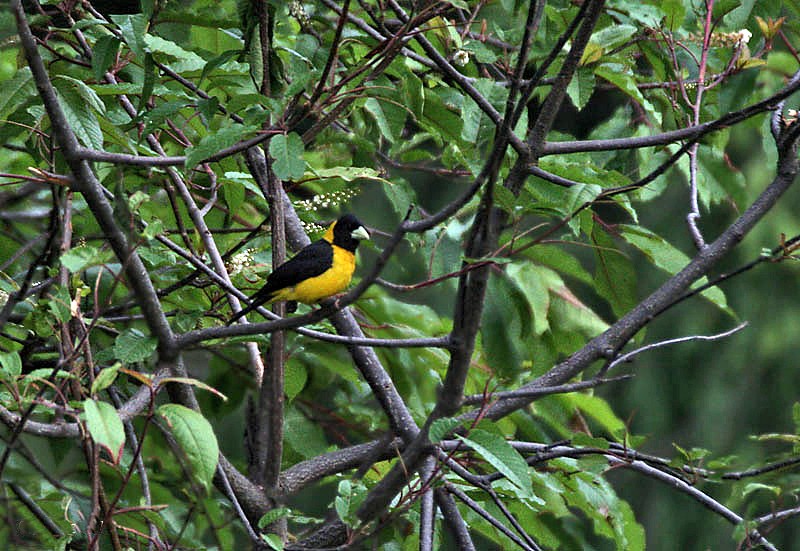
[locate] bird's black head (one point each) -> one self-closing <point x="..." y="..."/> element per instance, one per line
<point x="346" y="232"/>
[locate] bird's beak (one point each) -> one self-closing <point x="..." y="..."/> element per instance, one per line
<point x="360" y="233"/>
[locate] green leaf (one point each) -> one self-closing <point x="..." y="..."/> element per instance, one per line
<point x="133" y="29"/>
<point x="10" y="365"/>
<point x="656" y="248"/>
<point x="599" y="410"/>
<point x="105" y="426"/>
<point x="196" y="438"/>
<point x="646" y="15"/>
<point x="217" y="62"/>
<point x="60" y="304"/>
<point x="105" y="378"/>
<point x="287" y="152"/>
<point x="82" y="257"/>
<point x="536" y="283"/>
<point x="211" y="144"/>
<point x="194" y="382"/>
<point x="441" y="119"/>
<point x="342" y="501"/>
<point x="80" y="117"/>
<point x="663" y="255"/>
<point x="350" y="496"/>
<point x="506" y="321"/>
<point x="103" y="55"/>
<point x="148" y="83"/>
<point x="796" y="417"/>
<point x="614" y="275"/>
<point x="16" y="91"/>
<point x="442" y="427"/>
<point x="273" y="515"/>
<point x="302" y="435"/>
<point x="500" y="455"/>
<point x="156" y="116"/>
<point x="187" y="61"/>
<point x="621" y="77"/>
<point x="274" y="541"/>
<point x="389" y="117"/>
<point x="758" y="486"/>
<point x="413" y="92"/>
<point x="559" y="260"/>
<point x="581" y="87"/>
<point x="133" y="346"/>
<point x="295" y="378"/>
<point x="612" y="36"/>
<point x="350" y="173"/>
<point x="234" y="195"/>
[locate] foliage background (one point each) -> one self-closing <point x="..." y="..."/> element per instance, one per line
<point x="705" y="395"/>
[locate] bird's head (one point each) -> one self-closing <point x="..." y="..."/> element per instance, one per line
<point x="347" y="232"/>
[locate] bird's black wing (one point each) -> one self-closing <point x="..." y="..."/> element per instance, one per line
<point x="311" y="261"/>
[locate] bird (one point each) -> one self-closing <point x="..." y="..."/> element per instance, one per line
<point x="320" y="270"/>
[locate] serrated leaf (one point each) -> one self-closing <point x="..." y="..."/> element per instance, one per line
<point x="105" y="426"/>
<point x="581" y="87"/>
<point x="304" y="436"/>
<point x="80" y="117"/>
<point x="287" y="152"/>
<point x="10" y="365"/>
<point x="614" y="275"/>
<point x="613" y="36"/>
<point x="156" y="116"/>
<point x="294" y="379"/>
<point x="16" y="91"/>
<point x="506" y="321"/>
<point x="443" y="122"/>
<point x="133" y="29"/>
<point x="599" y="410"/>
<point x="441" y="428"/>
<point x="207" y="107"/>
<point x="82" y="257"/>
<point x="133" y="346"/>
<point x="148" y="83"/>
<point x="663" y="255"/>
<point x="413" y="93"/>
<point x="342" y="501"/>
<point x="500" y="455"/>
<point x="103" y="55"/>
<point x="350" y="173"/>
<point x="105" y="378"/>
<point x="60" y="304"/>
<point x="273" y="515"/>
<point x="389" y="117"/>
<point x="217" y="62"/>
<point x="274" y="541"/>
<point x="656" y="248"/>
<point x="536" y="283"/>
<point x="212" y="144"/>
<point x="188" y="61"/>
<point x="758" y="486"/>
<point x="621" y="77"/>
<point x="193" y="382"/>
<point x="559" y="260"/>
<point x="196" y="438"/>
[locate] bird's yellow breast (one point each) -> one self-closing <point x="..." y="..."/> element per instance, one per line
<point x="332" y="281"/>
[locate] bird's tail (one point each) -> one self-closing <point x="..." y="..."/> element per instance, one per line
<point x="255" y="301"/>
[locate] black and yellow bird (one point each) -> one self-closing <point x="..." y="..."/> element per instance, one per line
<point x="320" y="270"/>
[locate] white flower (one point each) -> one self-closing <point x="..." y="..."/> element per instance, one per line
<point x="461" y="58"/>
<point x="241" y="260"/>
<point x="743" y="37"/>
